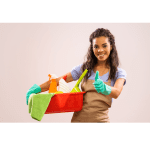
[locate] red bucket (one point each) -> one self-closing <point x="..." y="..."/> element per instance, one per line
<point x="65" y="102"/>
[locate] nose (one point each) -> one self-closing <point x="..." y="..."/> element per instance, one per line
<point x="100" y="50"/>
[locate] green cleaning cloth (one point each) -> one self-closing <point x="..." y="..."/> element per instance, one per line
<point x="38" y="104"/>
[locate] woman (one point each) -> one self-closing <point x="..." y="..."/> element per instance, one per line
<point x="103" y="81"/>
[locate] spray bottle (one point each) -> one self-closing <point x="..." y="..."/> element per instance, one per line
<point x="53" y="84"/>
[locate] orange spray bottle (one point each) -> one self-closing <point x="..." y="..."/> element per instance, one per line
<point x="53" y="85"/>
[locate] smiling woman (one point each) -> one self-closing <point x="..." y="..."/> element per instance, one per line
<point x="102" y="59"/>
<point x="103" y="82"/>
<point x="101" y="48"/>
<point x="102" y="43"/>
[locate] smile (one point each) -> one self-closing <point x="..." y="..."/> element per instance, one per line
<point x="101" y="55"/>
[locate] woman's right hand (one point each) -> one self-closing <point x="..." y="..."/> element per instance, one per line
<point x="34" y="89"/>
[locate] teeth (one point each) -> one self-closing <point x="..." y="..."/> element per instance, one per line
<point x="101" y="55"/>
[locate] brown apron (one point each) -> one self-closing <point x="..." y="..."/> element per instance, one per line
<point x="95" y="105"/>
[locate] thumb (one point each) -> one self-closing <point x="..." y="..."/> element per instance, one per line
<point x="97" y="75"/>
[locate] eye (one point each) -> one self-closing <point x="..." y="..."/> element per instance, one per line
<point x="105" y="46"/>
<point x="95" y="46"/>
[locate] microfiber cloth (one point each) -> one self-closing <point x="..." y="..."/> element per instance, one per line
<point x="38" y="104"/>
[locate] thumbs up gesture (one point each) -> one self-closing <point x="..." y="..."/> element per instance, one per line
<point x="100" y="86"/>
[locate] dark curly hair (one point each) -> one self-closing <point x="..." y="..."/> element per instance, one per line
<point x="112" y="61"/>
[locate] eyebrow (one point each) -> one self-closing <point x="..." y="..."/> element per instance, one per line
<point x="102" y="44"/>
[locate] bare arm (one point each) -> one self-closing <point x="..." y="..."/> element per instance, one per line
<point x="45" y="86"/>
<point x="116" y="90"/>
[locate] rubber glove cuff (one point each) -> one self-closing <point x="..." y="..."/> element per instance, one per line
<point x="107" y="89"/>
<point x="34" y="89"/>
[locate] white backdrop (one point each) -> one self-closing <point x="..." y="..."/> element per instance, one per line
<point x="31" y="51"/>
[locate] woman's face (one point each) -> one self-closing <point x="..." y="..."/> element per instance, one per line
<point x="101" y="48"/>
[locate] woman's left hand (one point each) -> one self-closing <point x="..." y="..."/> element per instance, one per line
<point x="100" y="86"/>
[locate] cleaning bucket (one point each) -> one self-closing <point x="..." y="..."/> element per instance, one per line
<point x="65" y="102"/>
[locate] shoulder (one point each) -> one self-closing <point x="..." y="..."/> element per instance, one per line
<point x="76" y="71"/>
<point x="121" y="73"/>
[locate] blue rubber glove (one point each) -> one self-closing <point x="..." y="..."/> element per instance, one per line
<point x="34" y="89"/>
<point x="100" y="86"/>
